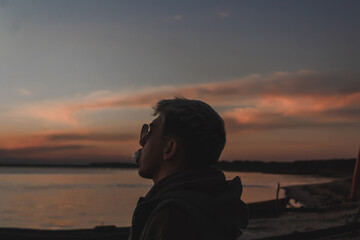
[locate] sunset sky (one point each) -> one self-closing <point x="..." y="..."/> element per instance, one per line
<point x="78" y="78"/>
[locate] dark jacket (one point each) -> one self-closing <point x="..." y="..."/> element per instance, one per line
<point x="194" y="204"/>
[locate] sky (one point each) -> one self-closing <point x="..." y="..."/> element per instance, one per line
<point x="79" y="78"/>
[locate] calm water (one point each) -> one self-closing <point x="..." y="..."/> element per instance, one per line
<point x="62" y="198"/>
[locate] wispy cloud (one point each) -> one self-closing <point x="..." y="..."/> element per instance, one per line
<point x="60" y="147"/>
<point x="61" y="154"/>
<point x="299" y="99"/>
<point x="99" y="137"/>
<point x="52" y="140"/>
<point x="37" y="150"/>
<point x="223" y="14"/>
<point x="177" y="17"/>
<point x="25" y="92"/>
<point x="53" y="112"/>
<point x="258" y="119"/>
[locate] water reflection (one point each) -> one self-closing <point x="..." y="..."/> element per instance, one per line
<point x="83" y="198"/>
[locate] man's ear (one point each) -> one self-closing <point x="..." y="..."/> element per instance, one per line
<point x="170" y="149"/>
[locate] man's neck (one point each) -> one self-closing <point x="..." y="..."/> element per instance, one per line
<point x="165" y="172"/>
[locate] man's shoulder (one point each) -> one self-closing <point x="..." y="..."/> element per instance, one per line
<point x="171" y="220"/>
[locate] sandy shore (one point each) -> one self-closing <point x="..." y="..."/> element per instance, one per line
<point x="325" y="205"/>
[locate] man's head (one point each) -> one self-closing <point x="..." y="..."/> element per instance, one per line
<point x="185" y="134"/>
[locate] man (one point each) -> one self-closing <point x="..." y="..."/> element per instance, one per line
<point x="189" y="199"/>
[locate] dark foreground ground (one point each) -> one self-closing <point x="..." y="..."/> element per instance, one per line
<point x="327" y="213"/>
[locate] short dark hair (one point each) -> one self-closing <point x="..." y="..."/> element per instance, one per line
<point x="198" y="127"/>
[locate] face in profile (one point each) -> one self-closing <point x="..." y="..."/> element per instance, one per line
<point x="151" y="154"/>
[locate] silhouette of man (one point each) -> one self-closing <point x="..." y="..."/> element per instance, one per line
<point x="189" y="199"/>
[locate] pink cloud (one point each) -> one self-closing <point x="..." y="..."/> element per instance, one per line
<point x="92" y="136"/>
<point x="177" y="17"/>
<point x="271" y="112"/>
<point x="25" y="92"/>
<point x="282" y="100"/>
<point x="223" y="14"/>
<point x="304" y="96"/>
<point x="54" y="146"/>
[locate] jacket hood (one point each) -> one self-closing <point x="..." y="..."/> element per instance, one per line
<point x="208" y="190"/>
<point x="205" y="180"/>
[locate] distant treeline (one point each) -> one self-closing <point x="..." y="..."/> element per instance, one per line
<point x="90" y="165"/>
<point x="335" y="167"/>
<point x="114" y="165"/>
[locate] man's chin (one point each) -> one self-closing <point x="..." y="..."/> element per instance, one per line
<point x="143" y="173"/>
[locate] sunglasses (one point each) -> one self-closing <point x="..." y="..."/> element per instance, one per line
<point x="145" y="130"/>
